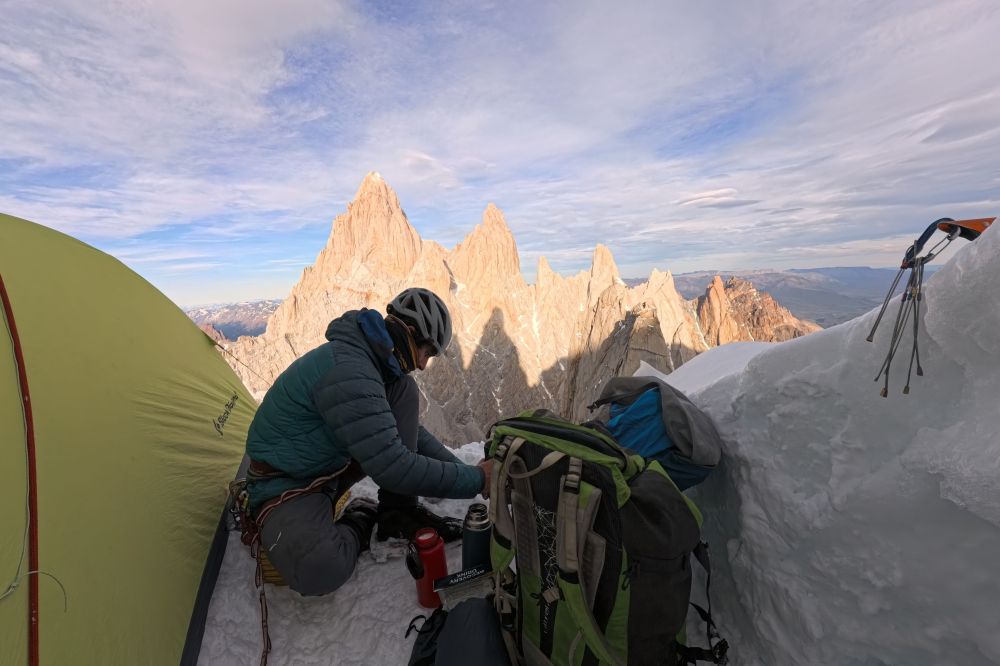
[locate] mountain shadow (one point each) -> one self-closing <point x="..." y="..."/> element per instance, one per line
<point x="461" y="403"/>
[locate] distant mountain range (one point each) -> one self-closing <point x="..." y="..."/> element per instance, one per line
<point x="827" y="296"/>
<point x="235" y="319"/>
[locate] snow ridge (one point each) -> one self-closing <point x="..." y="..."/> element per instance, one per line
<point x="852" y="529"/>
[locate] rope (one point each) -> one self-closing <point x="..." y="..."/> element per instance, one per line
<point x="236" y="358"/>
<point x="256" y="552"/>
<point x="902" y="316"/>
<point x="262" y="600"/>
<point x="909" y="305"/>
<point x="885" y="304"/>
<point x="12" y="587"/>
<point x="915" y="354"/>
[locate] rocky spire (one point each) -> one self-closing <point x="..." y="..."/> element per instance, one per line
<point x="488" y="255"/>
<point x="604" y="266"/>
<point x="714" y="315"/>
<point x="603" y="273"/>
<point x="515" y="347"/>
<point x="544" y="276"/>
<point x="736" y="311"/>
<point x="677" y="317"/>
<point x="373" y="234"/>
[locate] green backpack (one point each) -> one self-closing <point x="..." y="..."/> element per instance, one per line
<point x="600" y="543"/>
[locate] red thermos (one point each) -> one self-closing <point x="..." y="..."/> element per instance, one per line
<point x="433" y="565"/>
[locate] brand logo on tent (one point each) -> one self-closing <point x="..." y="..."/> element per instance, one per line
<point x="220" y="422"/>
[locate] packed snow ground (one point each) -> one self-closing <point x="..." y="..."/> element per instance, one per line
<point x="361" y="624"/>
<point x="846" y="528"/>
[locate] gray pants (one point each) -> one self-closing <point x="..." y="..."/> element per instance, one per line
<point x="312" y="553"/>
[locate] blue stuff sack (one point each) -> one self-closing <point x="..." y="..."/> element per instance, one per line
<point x="639" y="426"/>
<point x="637" y="423"/>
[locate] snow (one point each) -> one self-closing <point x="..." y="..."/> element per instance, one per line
<point x="706" y="368"/>
<point x="362" y="623"/>
<point x="846" y="528"/>
<point x="849" y="528"/>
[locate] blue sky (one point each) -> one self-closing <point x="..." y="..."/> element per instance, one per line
<point x="210" y="145"/>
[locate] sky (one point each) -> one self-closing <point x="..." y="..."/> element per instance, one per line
<point x="209" y="145"/>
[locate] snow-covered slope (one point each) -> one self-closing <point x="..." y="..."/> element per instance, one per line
<point x="850" y="528"/>
<point x="846" y="529"/>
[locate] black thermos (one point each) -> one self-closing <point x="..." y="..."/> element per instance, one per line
<point x="476" y="537"/>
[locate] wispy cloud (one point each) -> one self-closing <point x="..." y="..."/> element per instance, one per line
<point x="228" y="134"/>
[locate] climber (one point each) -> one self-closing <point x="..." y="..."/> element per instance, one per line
<point x="343" y="411"/>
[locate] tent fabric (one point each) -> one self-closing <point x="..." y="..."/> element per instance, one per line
<point x="139" y="424"/>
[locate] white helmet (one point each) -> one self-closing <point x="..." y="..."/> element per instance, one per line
<point x="427" y="313"/>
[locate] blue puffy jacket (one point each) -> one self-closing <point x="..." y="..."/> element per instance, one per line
<point x="330" y="406"/>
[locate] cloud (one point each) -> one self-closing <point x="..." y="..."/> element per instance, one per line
<point x="143" y="255"/>
<point x="191" y="267"/>
<point x="427" y="169"/>
<point x="724" y="198"/>
<point x="709" y="197"/>
<point x="680" y="134"/>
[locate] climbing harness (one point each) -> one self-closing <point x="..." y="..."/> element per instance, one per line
<point x="250" y="526"/>
<point x="909" y="304"/>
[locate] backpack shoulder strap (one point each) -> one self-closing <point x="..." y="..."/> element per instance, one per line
<point x="571" y="584"/>
<point x="718" y="647"/>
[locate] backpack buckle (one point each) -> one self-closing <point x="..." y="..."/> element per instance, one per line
<point x="719" y="652"/>
<point x="572" y="479"/>
<point x="502" y="449"/>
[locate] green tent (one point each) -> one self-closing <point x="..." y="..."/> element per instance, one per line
<point x="120" y="427"/>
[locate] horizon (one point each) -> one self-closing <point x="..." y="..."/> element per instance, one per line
<point x="209" y="147"/>
<point x="930" y="269"/>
